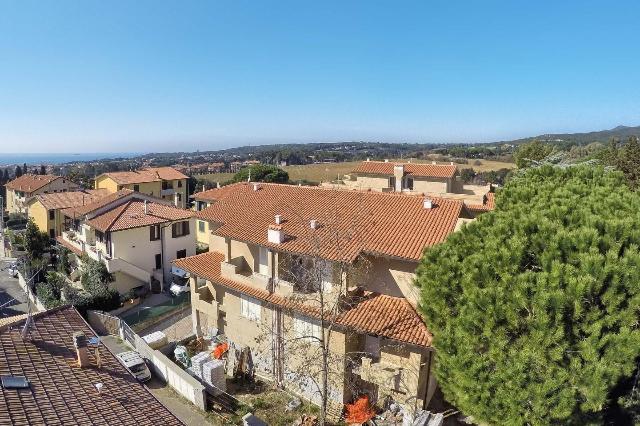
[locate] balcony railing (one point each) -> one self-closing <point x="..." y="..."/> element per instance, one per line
<point x="168" y="191"/>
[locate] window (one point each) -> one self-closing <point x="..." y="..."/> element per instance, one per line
<point x="179" y="184"/>
<point x="307" y="329"/>
<point x="250" y="308"/>
<point x="201" y="205"/>
<point x="409" y="183"/>
<point x="136" y="188"/>
<point x="392" y="182"/>
<point x="179" y="229"/>
<point x="154" y="232"/>
<point x="52" y="233"/>
<point x="201" y="226"/>
<point x="52" y="214"/>
<point x="158" y="261"/>
<point x="181" y="254"/>
<point x="100" y="236"/>
<point x="179" y="196"/>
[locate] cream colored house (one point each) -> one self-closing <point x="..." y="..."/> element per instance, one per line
<point x="288" y="265"/>
<point x="22" y="189"/>
<point x="389" y="176"/>
<point x="165" y="183"/>
<point x="201" y="202"/>
<point x="135" y="235"/>
<point x="46" y="209"/>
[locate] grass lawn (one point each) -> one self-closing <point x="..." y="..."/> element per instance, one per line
<point x="327" y="172"/>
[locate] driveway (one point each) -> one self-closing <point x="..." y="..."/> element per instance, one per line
<point x="12" y="298"/>
<point x="188" y="413"/>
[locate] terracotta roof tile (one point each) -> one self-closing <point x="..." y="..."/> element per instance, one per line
<point x="377" y="314"/>
<point x="414" y="169"/>
<point x="62" y="393"/>
<point x="131" y="214"/>
<point x="152" y="174"/>
<point x="30" y="183"/>
<point x="79" y="211"/>
<point x="62" y="200"/>
<point x="351" y="222"/>
<point x="489" y="203"/>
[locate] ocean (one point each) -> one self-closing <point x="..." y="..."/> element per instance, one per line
<point x="59" y="158"/>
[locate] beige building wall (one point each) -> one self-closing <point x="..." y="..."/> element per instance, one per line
<point x="387" y="276"/>
<point x="375" y="183"/>
<point x="40" y="216"/>
<point x="16" y="203"/>
<point x="432" y="185"/>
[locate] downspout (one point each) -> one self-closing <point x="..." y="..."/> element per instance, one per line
<point x="426" y="385"/>
<point x="162" y="228"/>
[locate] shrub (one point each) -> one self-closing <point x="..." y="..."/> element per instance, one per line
<point x="262" y="173"/>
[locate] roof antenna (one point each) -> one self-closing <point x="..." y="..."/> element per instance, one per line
<point x="29" y="321"/>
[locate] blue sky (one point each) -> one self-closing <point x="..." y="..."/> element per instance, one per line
<point x="110" y="76"/>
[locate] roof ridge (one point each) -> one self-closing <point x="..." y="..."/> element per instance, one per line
<point x="122" y="208"/>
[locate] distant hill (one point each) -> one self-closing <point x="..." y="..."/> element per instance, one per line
<point x="620" y="132"/>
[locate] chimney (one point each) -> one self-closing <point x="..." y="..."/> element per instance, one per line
<point x="204" y="188"/>
<point x="256" y="187"/>
<point x="275" y="234"/>
<point x="278" y="219"/>
<point x="146" y="207"/>
<point x="452" y="163"/>
<point x="427" y="203"/>
<point x="398" y="173"/>
<point x="368" y="159"/>
<point x="434" y="163"/>
<point x="313" y="224"/>
<point x="82" y="353"/>
<point x="386" y="160"/>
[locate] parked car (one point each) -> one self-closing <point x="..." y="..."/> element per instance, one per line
<point x="179" y="281"/>
<point x="135" y="364"/>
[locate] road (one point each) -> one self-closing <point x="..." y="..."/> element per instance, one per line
<point x="10" y="292"/>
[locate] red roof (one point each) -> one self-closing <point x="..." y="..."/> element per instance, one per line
<point x="373" y="313"/>
<point x="62" y="200"/>
<point x="489" y="203"/>
<point x="30" y="183"/>
<point x="350" y="222"/>
<point x="131" y="214"/>
<point x="79" y="211"/>
<point x="62" y="393"/>
<point x="414" y="169"/>
<point x="152" y="174"/>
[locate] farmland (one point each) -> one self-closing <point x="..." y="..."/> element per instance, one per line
<point x="331" y="171"/>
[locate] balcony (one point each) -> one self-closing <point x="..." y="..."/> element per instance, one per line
<point x="237" y="270"/>
<point x="167" y="191"/>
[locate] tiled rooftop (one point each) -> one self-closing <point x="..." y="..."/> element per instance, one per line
<point x="414" y="169"/>
<point x="61" y="393"/>
<point x="62" y="200"/>
<point x="376" y="314"/>
<point x="489" y="203"/>
<point x="78" y="211"/>
<point x="131" y="214"/>
<point x="30" y="183"/>
<point x="350" y="222"/>
<point x="152" y="174"/>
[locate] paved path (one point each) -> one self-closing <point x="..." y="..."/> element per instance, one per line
<point x="180" y="407"/>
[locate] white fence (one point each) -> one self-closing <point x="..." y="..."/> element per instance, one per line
<point x="162" y="366"/>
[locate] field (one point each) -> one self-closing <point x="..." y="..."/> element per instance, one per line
<point x="331" y="171"/>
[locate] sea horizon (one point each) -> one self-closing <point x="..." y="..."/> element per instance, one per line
<point x="9" y="159"/>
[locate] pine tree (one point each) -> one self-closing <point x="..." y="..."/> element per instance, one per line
<point x="43" y="169"/>
<point x="534" y="307"/>
<point x="18" y="171"/>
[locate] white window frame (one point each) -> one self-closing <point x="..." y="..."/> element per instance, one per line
<point x="250" y="308"/>
<point x="307" y="329"/>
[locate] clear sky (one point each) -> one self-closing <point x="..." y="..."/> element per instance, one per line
<point x="112" y="76"/>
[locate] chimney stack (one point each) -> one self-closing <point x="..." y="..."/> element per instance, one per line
<point x="386" y="160"/>
<point x="428" y="203"/>
<point x="434" y="163"/>
<point x="313" y="224"/>
<point x="278" y="219"/>
<point x="275" y="234"/>
<point x="82" y="353"/>
<point x="256" y="187"/>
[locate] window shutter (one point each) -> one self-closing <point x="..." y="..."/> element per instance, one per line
<point x="174" y="228"/>
<point x="186" y="227"/>
<point x="151" y="233"/>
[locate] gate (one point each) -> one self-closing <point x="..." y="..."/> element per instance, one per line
<point x="127" y="333"/>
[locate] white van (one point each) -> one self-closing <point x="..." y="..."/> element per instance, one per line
<point x="135" y="364"/>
